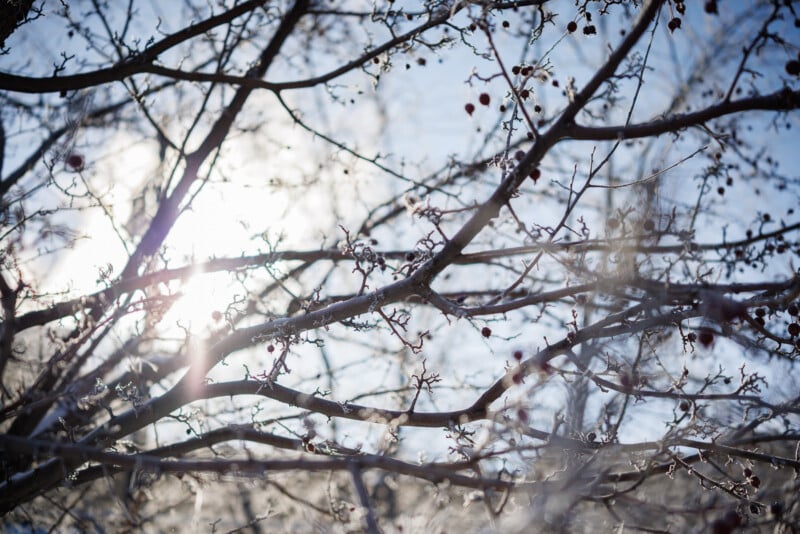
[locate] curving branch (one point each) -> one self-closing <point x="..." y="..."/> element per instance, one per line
<point x="782" y="100"/>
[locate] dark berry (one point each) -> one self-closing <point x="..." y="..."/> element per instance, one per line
<point x="794" y="329"/>
<point x="486" y="331"/>
<point x="706" y="337"/>
<point x="711" y="7"/>
<point x="649" y="225"/>
<point x="572" y="26"/>
<point x="589" y="30"/>
<point x="674" y="24"/>
<point x="470" y="109"/>
<point x="484" y="99"/>
<point x="535" y="174"/>
<point x="76" y="162"/>
<point x="793" y="67"/>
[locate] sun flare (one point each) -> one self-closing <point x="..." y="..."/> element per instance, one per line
<point x="201" y="304"/>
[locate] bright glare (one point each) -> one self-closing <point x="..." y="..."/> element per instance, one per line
<point x="202" y="304"/>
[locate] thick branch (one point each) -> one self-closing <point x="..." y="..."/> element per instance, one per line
<point x="783" y="100"/>
<point x="128" y="67"/>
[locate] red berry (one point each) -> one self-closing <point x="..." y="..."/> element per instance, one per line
<point x="76" y="161"/>
<point x="535" y="174"/>
<point x="484" y="99"/>
<point x="470" y="109"/>
<point x="486" y="331"/>
<point x="270" y="348"/>
<point x="518" y="355"/>
<point x="706" y="337"/>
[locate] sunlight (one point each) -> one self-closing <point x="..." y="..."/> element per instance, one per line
<point x="204" y="298"/>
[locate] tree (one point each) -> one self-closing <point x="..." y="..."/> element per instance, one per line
<point x="396" y="265"/>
